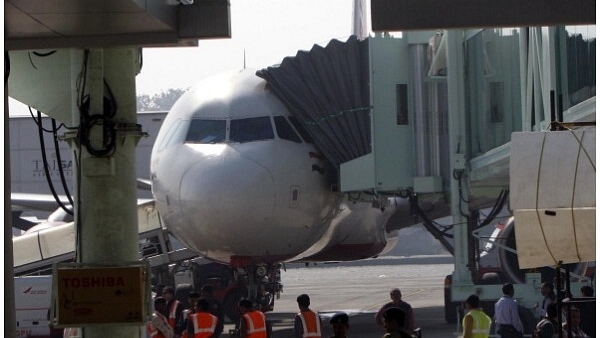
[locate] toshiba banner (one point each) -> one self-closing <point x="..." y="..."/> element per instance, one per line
<point x="100" y="295"/>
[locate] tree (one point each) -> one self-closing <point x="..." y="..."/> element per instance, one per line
<point x="159" y="102"/>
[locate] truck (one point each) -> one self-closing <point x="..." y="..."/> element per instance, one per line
<point x="494" y="264"/>
<point x="32" y="303"/>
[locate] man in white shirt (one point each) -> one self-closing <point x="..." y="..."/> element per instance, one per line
<point x="506" y="314"/>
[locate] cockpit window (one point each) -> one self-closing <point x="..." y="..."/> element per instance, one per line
<point x="206" y="131"/>
<point x="252" y="129"/>
<point x="174" y="135"/>
<point x="285" y="130"/>
<point x="301" y="130"/>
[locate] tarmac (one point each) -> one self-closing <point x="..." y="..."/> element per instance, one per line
<point x="360" y="290"/>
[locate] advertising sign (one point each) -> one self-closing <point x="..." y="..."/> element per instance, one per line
<point x="100" y="295"/>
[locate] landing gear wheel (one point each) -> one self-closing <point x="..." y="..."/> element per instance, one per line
<point x="230" y="305"/>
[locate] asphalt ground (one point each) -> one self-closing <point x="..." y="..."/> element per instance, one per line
<point x="360" y="289"/>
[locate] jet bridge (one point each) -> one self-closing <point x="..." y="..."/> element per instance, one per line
<point x="39" y="250"/>
<point x="354" y="98"/>
<point x="433" y="112"/>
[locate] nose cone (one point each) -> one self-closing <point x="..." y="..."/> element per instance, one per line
<point x="227" y="203"/>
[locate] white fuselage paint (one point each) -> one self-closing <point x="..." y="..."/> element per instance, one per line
<point x="261" y="201"/>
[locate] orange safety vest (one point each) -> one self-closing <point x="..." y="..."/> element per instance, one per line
<point x="173" y="313"/>
<point x="311" y="324"/>
<point x="204" y="324"/>
<point x="256" y="324"/>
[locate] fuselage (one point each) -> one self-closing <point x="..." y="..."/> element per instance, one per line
<point x="236" y="179"/>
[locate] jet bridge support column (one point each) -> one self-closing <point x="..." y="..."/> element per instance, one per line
<point x="106" y="205"/>
<point x="456" y="134"/>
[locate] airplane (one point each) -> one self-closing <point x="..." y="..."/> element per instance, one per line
<point x="236" y="178"/>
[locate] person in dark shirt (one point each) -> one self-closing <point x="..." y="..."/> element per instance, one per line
<point x="588" y="311"/>
<point x="549" y="326"/>
<point x="339" y="324"/>
<point x="573" y="329"/>
<point x="547" y="290"/>
<point x="393" y="321"/>
<point x="409" y="320"/>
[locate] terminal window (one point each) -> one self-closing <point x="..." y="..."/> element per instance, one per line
<point x="401" y="104"/>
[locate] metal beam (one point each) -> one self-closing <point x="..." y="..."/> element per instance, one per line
<point x="401" y="15"/>
<point x="109" y="23"/>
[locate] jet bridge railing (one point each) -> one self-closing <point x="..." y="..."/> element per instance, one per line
<point x="40" y="249"/>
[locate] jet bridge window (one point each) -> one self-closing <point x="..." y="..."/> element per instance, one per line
<point x="206" y="131"/>
<point x="252" y="129"/>
<point x="285" y="130"/>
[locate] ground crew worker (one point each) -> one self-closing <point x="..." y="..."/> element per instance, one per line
<point x="202" y="323"/>
<point x="340" y="326"/>
<point x="215" y="307"/>
<point x="173" y="310"/>
<point x="159" y="326"/>
<point x="253" y="323"/>
<point x="307" y="323"/>
<point x="476" y="324"/>
<point x="193" y="297"/>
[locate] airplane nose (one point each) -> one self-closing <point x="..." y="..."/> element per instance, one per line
<point x="228" y="190"/>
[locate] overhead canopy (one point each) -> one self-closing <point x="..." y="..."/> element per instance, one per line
<point x="393" y="15"/>
<point x="327" y="90"/>
<point x="52" y="24"/>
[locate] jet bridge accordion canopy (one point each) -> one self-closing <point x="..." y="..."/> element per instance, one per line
<point x="326" y="88"/>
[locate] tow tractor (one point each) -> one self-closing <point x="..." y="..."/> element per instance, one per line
<point x="173" y="264"/>
<point x="230" y="284"/>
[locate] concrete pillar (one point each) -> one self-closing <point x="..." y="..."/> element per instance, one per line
<point x="106" y="205"/>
